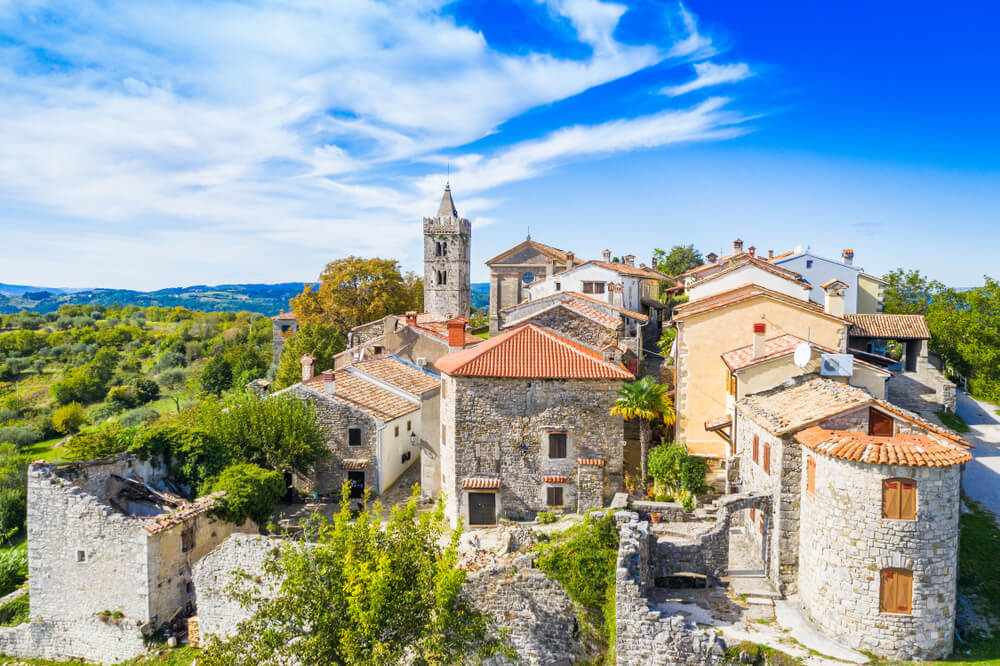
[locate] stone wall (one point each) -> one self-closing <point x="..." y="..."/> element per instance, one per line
<point x="645" y="636"/>
<point x="845" y="543"/>
<point x="451" y="299"/>
<point x="487" y="421"/>
<point x="575" y="326"/>
<point x="86" y="637"/>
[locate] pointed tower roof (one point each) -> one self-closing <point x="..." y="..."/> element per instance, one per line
<point x="447" y="206"/>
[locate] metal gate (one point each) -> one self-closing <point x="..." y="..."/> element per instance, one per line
<point x="482" y="508"/>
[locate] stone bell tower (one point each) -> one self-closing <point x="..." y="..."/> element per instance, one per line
<point x="447" y="261"/>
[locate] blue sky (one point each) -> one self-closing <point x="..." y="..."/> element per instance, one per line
<point x="147" y="145"/>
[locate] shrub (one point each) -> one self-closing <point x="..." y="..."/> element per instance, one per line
<point x="13" y="568"/>
<point x="251" y="492"/>
<point x="138" y="417"/>
<point x="15" y="612"/>
<point x="13" y="509"/>
<point x="146" y="390"/>
<point x="172" y="379"/>
<point x="122" y="395"/>
<point x="107" y="441"/>
<point x="8" y="414"/>
<point x="546" y="517"/>
<point x="192" y="455"/>
<point x="68" y="418"/>
<point x="21" y="435"/>
<point x="170" y="359"/>
<point x="217" y="376"/>
<point x="106" y="410"/>
<point x="673" y="469"/>
<point x="583" y="559"/>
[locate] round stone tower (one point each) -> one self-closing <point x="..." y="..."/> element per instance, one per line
<point x="447" y="268"/>
<point x="878" y="540"/>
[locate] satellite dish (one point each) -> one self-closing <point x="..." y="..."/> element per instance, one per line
<point x="803" y="353"/>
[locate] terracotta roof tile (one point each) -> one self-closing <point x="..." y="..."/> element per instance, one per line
<point x="902" y="449"/>
<point x="183" y="513"/>
<point x="362" y="394"/>
<point x="745" y="293"/>
<point x="553" y="479"/>
<point x="583" y="298"/>
<point x="531" y="352"/>
<point x="783" y="345"/>
<point x="399" y="374"/>
<point x="555" y="253"/>
<point x="576" y="305"/>
<point x="355" y="463"/>
<point x="285" y="316"/>
<point x="740" y="261"/>
<point x="719" y="422"/>
<point x="440" y="329"/>
<point x="893" y="326"/>
<point x="592" y="462"/>
<point x="632" y="271"/>
<point x="479" y="483"/>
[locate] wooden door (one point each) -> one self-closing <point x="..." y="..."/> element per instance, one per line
<point x="482" y="509"/>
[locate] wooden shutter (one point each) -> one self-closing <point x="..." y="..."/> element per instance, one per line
<point x="557" y="445"/>
<point x="879" y="424"/>
<point x="767" y="457"/>
<point x="753" y="515"/>
<point x="555" y="496"/>
<point x="896" y="594"/>
<point x="907" y="499"/>
<point x="811" y="476"/>
<point x="890" y="499"/>
<point x="756" y="444"/>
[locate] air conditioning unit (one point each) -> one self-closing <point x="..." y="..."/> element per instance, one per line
<point x="421" y="362"/>
<point x="837" y="365"/>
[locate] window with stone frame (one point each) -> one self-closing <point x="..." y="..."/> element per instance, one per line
<point x="756" y="449"/>
<point x="767" y="457"/>
<point x="81" y="556"/>
<point x="442" y="249"/>
<point x="899" y="499"/>
<point x="896" y="591"/>
<point x="557" y="445"/>
<point x="811" y="475"/>
<point x="187" y="539"/>
<point x="354" y="436"/>
<point x="442" y="277"/>
<point x="554" y="495"/>
<point x="593" y="287"/>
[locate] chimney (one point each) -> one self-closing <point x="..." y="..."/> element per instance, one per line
<point x="259" y="387"/>
<point x="456" y="333"/>
<point x="770" y="254"/>
<point x="307" y="367"/>
<point x="752" y="250"/>
<point x="848" y="256"/>
<point x="759" y="330"/>
<point x="411" y="318"/>
<point x="328" y="382"/>
<point x="612" y="354"/>
<point x="834" y="298"/>
<point x="737" y="246"/>
<point x="630" y="259"/>
<point x="652" y="262"/>
<point x="711" y="257"/>
<point x="607" y="255"/>
<point x="550" y="267"/>
<point x="642" y="265"/>
<point x="570" y="260"/>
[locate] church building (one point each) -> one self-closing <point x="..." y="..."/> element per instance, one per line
<point x="447" y="268"/>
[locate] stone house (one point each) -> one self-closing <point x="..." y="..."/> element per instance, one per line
<point x="418" y="338"/>
<point x="283" y="325"/>
<point x="111" y="546"/>
<point x="580" y="318"/>
<point x="514" y="270"/>
<point x="379" y="416"/>
<point x="525" y="427"/>
<point x="835" y="459"/>
<point x="866" y="292"/>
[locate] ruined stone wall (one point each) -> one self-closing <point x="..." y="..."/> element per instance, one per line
<point x="487" y="421"/>
<point x="576" y="327"/>
<point x="337" y="418"/>
<point x="87" y="637"/>
<point x="643" y="635"/>
<point x="845" y="543"/>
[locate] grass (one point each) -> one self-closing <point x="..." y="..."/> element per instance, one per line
<point x="953" y="421"/>
<point x="180" y="656"/>
<point x="761" y="654"/>
<point x="46" y="450"/>
<point x="484" y="336"/>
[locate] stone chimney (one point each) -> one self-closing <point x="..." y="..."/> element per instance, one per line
<point x="711" y="257"/>
<point x="630" y="259"/>
<point x="770" y="254"/>
<point x="759" y="330"/>
<point x="834" y="297"/>
<point x="307" y="367"/>
<point x="652" y="262"/>
<point x="550" y="267"/>
<point x="456" y="333"/>
<point x="411" y="318"/>
<point x="752" y="250"/>
<point x="848" y="256"/>
<point x="259" y="387"/>
<point x="329" y="382"/>
<point x="612" y="354"/>
<point x="570" y="260"/>
<point x="607" y="255"/>
<point x="737" y="246"/>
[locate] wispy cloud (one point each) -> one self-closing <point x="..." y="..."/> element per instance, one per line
<point x="709" y="74"/>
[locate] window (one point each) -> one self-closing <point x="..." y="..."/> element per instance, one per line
<point x="879" y="424"/>
<point x="409" y="428"/>
<point x="756" y="446"/>
<point x="809" y="263"/>
<point x="554" y="496"/>
<point x="354" y="436"/>
<point x="811" y="476"/>
<point x="899" y="499"/>
<point x="896" y="594"/>
<point x="403" y="458"/>
<point x="81" y="556"/>
<point x="441" y="250"/>
<point x="187" y="540"/>
<point x="557" y="445"/>
<point x="442" y="277"/>
<point x="767" y="457"/>
<point x="593" y="287"/>
<point x="558" y="286"/>
<point x="396" y="433"/>
<point x="379" y="349"/>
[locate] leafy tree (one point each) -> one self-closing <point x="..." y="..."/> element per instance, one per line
<point x="355" y="291"/>
<point x="251" y="492"/>
<point x="146" y="390"/>
<point x="193" y="456"/>
<point x="105" y="441"/>
<point x="68" y="418"/>
<point x="217" y="376"/>
<point x="321" y="341"/>
<point x="78" y="385"/>
<point x="909" y="292"/>
<point x="362" y="593"/>
<point x="680" y="258"/>
<point x="673" y="469"/>
<point x="666" y="341"/>
<point x="279" y="433"/>
<point x="965" y="330"/>
<point x="171" y="359"/>
<point x="124" y="396"/>
<point x="13" y="488"/>
<point x="173" y="378"/>
<point x="646" y="401"/>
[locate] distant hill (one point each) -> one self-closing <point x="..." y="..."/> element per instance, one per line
<point x="267" y="299"/>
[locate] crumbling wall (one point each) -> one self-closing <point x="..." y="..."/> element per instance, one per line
<point x="645" y="636"/>
<point x="107" y="641"/>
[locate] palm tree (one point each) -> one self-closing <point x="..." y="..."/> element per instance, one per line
<point x="645" y="400"/>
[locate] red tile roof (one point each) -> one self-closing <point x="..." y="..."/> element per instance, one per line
<point x="480" y="483"/>
<point x="783" y="345"/>
<point x="902" y="449"/>
<point x="440" y="329"/>
<point x="285" y="316"/>
<point x="548" y="250"/>
<point x="553" y="479"/>
<point x="719" y="422"/>
<point x="746" y="260"/>
<point x="745" y="293"/>
<point x="632" y="271"/>
<point x="183" y="513"/>
<point x="531" y="352"/>
<point x="393" y="371"/>
<point x="362" y="394"/>
<point x="355" y="464"/>
<point x="593" y="462"/>
<point x="583" y="298"/>
<point x="576" y="305"/>
<point x="892" y="326"/>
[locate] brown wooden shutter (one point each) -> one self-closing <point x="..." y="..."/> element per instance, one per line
<point x="555" y="496"/>
<point x="890" y="499"/>
<point x="887" y="593"/>
<point x="907" y="499"/>
<point x="879" y="424"/>
<point x="767" y="457"/>
<point x="896" y="594"/>
<point x="756" y="443"/>
<point x="753" y="515"/>
<point x="811" y="476"/>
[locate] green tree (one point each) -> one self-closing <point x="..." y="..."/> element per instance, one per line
<point x="362" y="593"/>
<point x="909" y="292"/>
<point x="193" y="456"/>
<point x="965" y="330"/>
<point x="13" y="488"/>
<point x="68" y="418"/>
<point x="216" y="376"/>
<point x="680" y="258"/>
<point x="251" y="492"/>
<point x="321" y="341"/>
<point x="646" y="401"/>
<point x="674" y="469"/>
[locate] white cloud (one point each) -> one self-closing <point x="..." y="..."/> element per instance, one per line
<point x="709" y="74"/>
